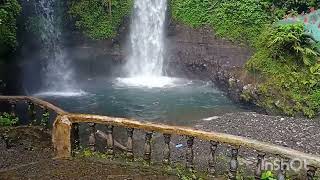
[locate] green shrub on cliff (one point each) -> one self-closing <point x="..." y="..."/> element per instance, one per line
<point x="97" y="19"/>
<point x="287" y="62"/>
<point x="9" y="10"/>
<point x="240" y="20"/>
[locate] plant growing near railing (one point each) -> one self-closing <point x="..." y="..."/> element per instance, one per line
<point x="8" y="120"/>
<point x="268" y="175"/>
<point x="45" y="119"/>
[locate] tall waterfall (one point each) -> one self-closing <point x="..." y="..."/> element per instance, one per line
<point x="58" y="73"/>
<point x="144" y="65"/>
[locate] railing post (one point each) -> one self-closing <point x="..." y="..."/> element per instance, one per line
<point x="7" y="140"/>
<point x="311" y="172"/>
<point x="92" y="136"/>
<point x="75" y="136"/>
<point x="45" y="118"/>
<point x="147" y="147"/>
<point x="234" y="164"/>
<point x="13" y="108"/>
<point x="61" y="137"/>
<point x="259" y="166"/>
<point x="213" y="149"/>
<point x="189" y="153"/>
<point x="32" y="113"/>
<point x="110" y="142"/>
<point x="282" y="171"/>
<point x="166" y="151"/>
<point x="130" y="155"/>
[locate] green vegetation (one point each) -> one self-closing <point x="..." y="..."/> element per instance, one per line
<point x="268" y="175"/>
<point x="287" y="63"/>
<point x="99" y="19"/>
<point x="240" y="20"/>
<point x="8" y="120"/>
<point x="237" y="20"/>
<point x="286" y="60"/>
<point x="9" y="10"/>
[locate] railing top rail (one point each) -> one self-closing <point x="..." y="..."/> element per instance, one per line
<point x="37" y="101"/>
<point x="233" y="140"/>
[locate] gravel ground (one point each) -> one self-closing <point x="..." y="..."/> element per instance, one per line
<point x="297" y="133"/>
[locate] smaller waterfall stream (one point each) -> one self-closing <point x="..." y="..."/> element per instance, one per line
<point x="145" y="63"/>
<point x="58" y="73"/>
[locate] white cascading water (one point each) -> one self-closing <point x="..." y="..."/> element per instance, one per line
<point x="144" y="66"/>
<point x="58" y="73"/>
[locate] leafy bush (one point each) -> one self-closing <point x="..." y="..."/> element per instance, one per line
<point x="9" y="10"/>
<point x="292" y="5"/>
<point x="8" y="120"/>
<point x="240" y="20"/>
<point x="288" y="63"/>
<point x="95" y="20"/>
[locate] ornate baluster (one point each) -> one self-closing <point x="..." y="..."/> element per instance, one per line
<point x="259" y="166"/>
<point x="130" y="155"/>
<point x="166" y="151"/>
<point x="234" y="164"/>
<point x="311" y="172"/>
<point x="110" y="142"/>
<point x="213" y="149"/>
<point x="92" y="137"/>
<point x="7" y="140"/>
<point x="76" y="137"/>
<point x="32" y="113"/>
<point x="45" y="118"/>
<point x="147" y="147"/>
<point x="189" y="154"/>
<point x="13" y="108"/>
<point x="282" y="171"/>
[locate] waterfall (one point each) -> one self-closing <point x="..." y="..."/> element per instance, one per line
<point x="147" y="38"/>
<point x="58" y="73"/>
<point x="144" y="65"/>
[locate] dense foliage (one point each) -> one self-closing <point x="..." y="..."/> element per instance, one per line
<point x="239" y="20"/>
<point x="9" y="10"/>
<point x="235" y="19"/>
<point x="97" y="19"/>
<point x="287" y="62"/>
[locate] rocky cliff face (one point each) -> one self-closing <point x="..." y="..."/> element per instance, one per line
<point x="198" y="53"/>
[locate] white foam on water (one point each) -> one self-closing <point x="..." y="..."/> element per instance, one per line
<point x="211" y="118"/>
<point x="151" y="82"/>
<point x="61" y="93"/>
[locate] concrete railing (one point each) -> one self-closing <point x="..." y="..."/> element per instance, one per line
<point x="65" y="136"/>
